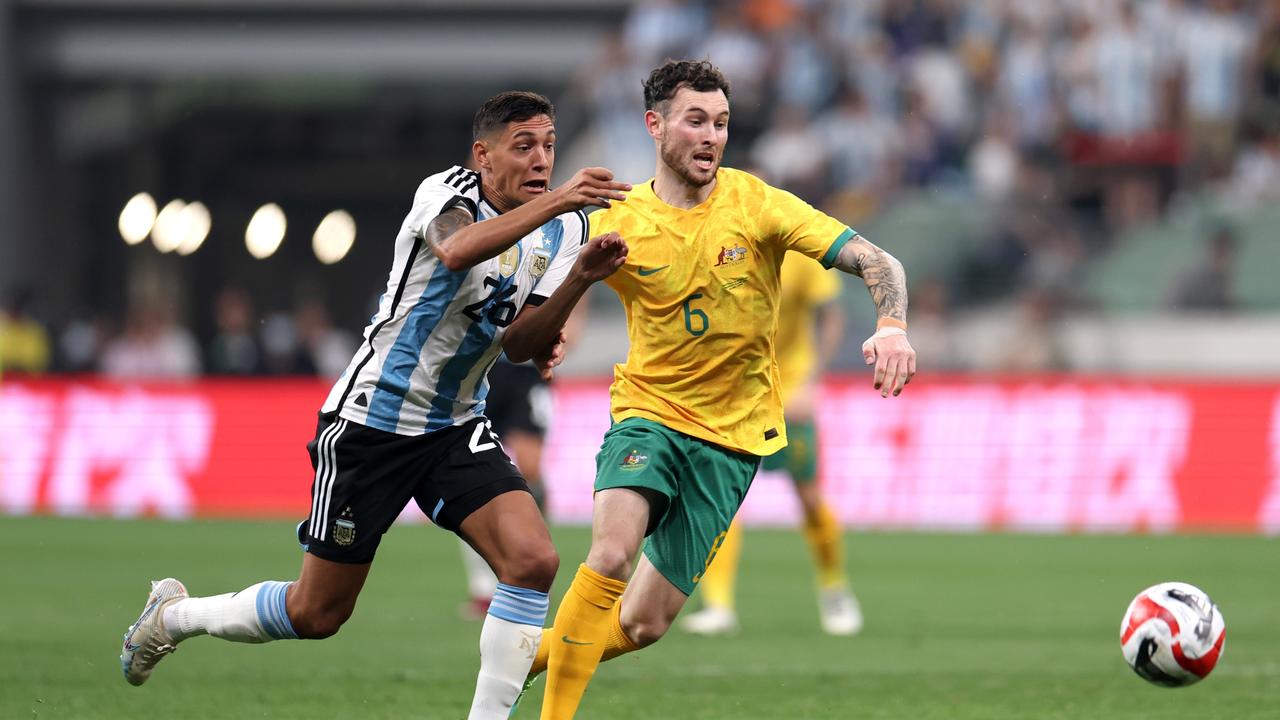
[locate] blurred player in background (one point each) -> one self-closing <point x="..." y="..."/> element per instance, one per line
<point x="485" y="262"/>
<point x="519" y="409"/>
<point x="697" y="403"/>
<point x="809" y="303"/>
<point x="24" y="343"/>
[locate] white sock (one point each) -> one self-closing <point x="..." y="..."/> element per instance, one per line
<point x="508" y="643"/>
<point x="481" y="582"/>
<point x="253" y="615"/>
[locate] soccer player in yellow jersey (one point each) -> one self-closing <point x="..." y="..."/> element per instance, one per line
<point x="810" y="327"/>
<point x="697" y="403"/>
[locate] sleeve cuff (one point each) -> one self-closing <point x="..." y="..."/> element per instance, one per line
<point x="463" y="201"/>
<point x="829" y="258"/>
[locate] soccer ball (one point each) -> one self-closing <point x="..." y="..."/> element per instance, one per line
<point x="1172" y="634"/>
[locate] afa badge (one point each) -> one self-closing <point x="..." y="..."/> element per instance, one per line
<point x="541" y="261"/>
<point x="344" y="528"/>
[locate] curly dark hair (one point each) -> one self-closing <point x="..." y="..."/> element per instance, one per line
<point x="508" y="107"/>
<point x="663" y="82"/>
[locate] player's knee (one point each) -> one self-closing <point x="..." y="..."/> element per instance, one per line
<point x="645" y="631"/>
<point x="810" y="500"/>
<point x="534" y="568"/>
<point x="610" y="560"/>
<point x="317" y="623"/>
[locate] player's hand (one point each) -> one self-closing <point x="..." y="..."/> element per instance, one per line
<point x="550" y="357"/>
<point x="601" y="257"/>
<point x="893" y="357"/>
<point x="591" y="186"/>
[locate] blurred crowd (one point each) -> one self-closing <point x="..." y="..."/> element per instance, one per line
<point x="851" y="103"/>
<point x="152" y="343"/>
<point x="1070" y="122"/>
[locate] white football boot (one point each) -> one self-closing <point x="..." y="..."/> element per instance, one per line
<point x="710" y="620"/>
<point x="146" y="641"/>
<point x="839" y="611"/>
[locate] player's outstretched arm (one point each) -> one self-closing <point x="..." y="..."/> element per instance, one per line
<point x="462" y="246"/>
<point x="537" y="332"/>
<point x="888" y="349"/>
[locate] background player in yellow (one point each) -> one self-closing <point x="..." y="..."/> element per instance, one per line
<point x="810" y="328"/>
<point x="697" y="402"/>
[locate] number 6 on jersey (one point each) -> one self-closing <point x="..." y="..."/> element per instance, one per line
<point x="691" y="313"/>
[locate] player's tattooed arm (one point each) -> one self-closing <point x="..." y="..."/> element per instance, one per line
<point x="887" y="349"/>
<point x="444" y="226"/>
<point x="883" y="274"/>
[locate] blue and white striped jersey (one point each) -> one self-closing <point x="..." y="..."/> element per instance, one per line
<point x="426" y="353"/>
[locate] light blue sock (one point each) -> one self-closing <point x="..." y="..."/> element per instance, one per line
<point x="508" y="643"/>
<point x="271" y="611"/>
<point x="520" y="605"/>
<point x="253" y="615"/>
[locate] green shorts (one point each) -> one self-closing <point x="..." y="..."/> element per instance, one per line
<point x="704" y="485"/>
<point x="800" y="457"/>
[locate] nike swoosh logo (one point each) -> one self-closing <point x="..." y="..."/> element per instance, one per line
<point x="565" y="639"/>
<point x="650" y="271"/>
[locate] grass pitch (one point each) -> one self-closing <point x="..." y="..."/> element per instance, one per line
<point x="958" y="627"/>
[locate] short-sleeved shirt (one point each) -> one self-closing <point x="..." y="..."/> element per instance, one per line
<point x="806" y="286"/>
<point x="701" y="289"/>
<point x="427" y="351"/>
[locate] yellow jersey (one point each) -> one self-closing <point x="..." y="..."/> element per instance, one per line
<point x="24" y="345"/>
<point x="701" y="289"/>
<point x="806" y="286"/>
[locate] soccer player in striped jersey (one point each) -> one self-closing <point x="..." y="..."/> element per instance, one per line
<point x="485" y="262"/>
<point x="697" y="403"/>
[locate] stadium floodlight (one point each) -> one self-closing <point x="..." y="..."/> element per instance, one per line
<point x="195" y="222"/>
<point x="265" y="231"/>
<point x="334" y="237"/>
<point x="170" y="226"/>
<point x="137" y="218"/>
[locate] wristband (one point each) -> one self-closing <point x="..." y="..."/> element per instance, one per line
<point x="890" y="322"/>
<point x="887" y="331"/>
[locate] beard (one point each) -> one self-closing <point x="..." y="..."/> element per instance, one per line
<point x="674" y="160"/>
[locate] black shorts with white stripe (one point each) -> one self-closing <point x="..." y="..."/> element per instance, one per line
<point x="365" y="477"/>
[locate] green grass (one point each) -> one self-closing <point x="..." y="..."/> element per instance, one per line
<point x="958" y="626"/>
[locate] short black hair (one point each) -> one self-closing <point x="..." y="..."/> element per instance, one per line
<point x="508" y="107"/>
<point x="665" y="81"/>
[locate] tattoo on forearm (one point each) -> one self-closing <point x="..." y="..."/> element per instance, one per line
<point x="446" y="224"/>
<point x="885" y="278"/>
